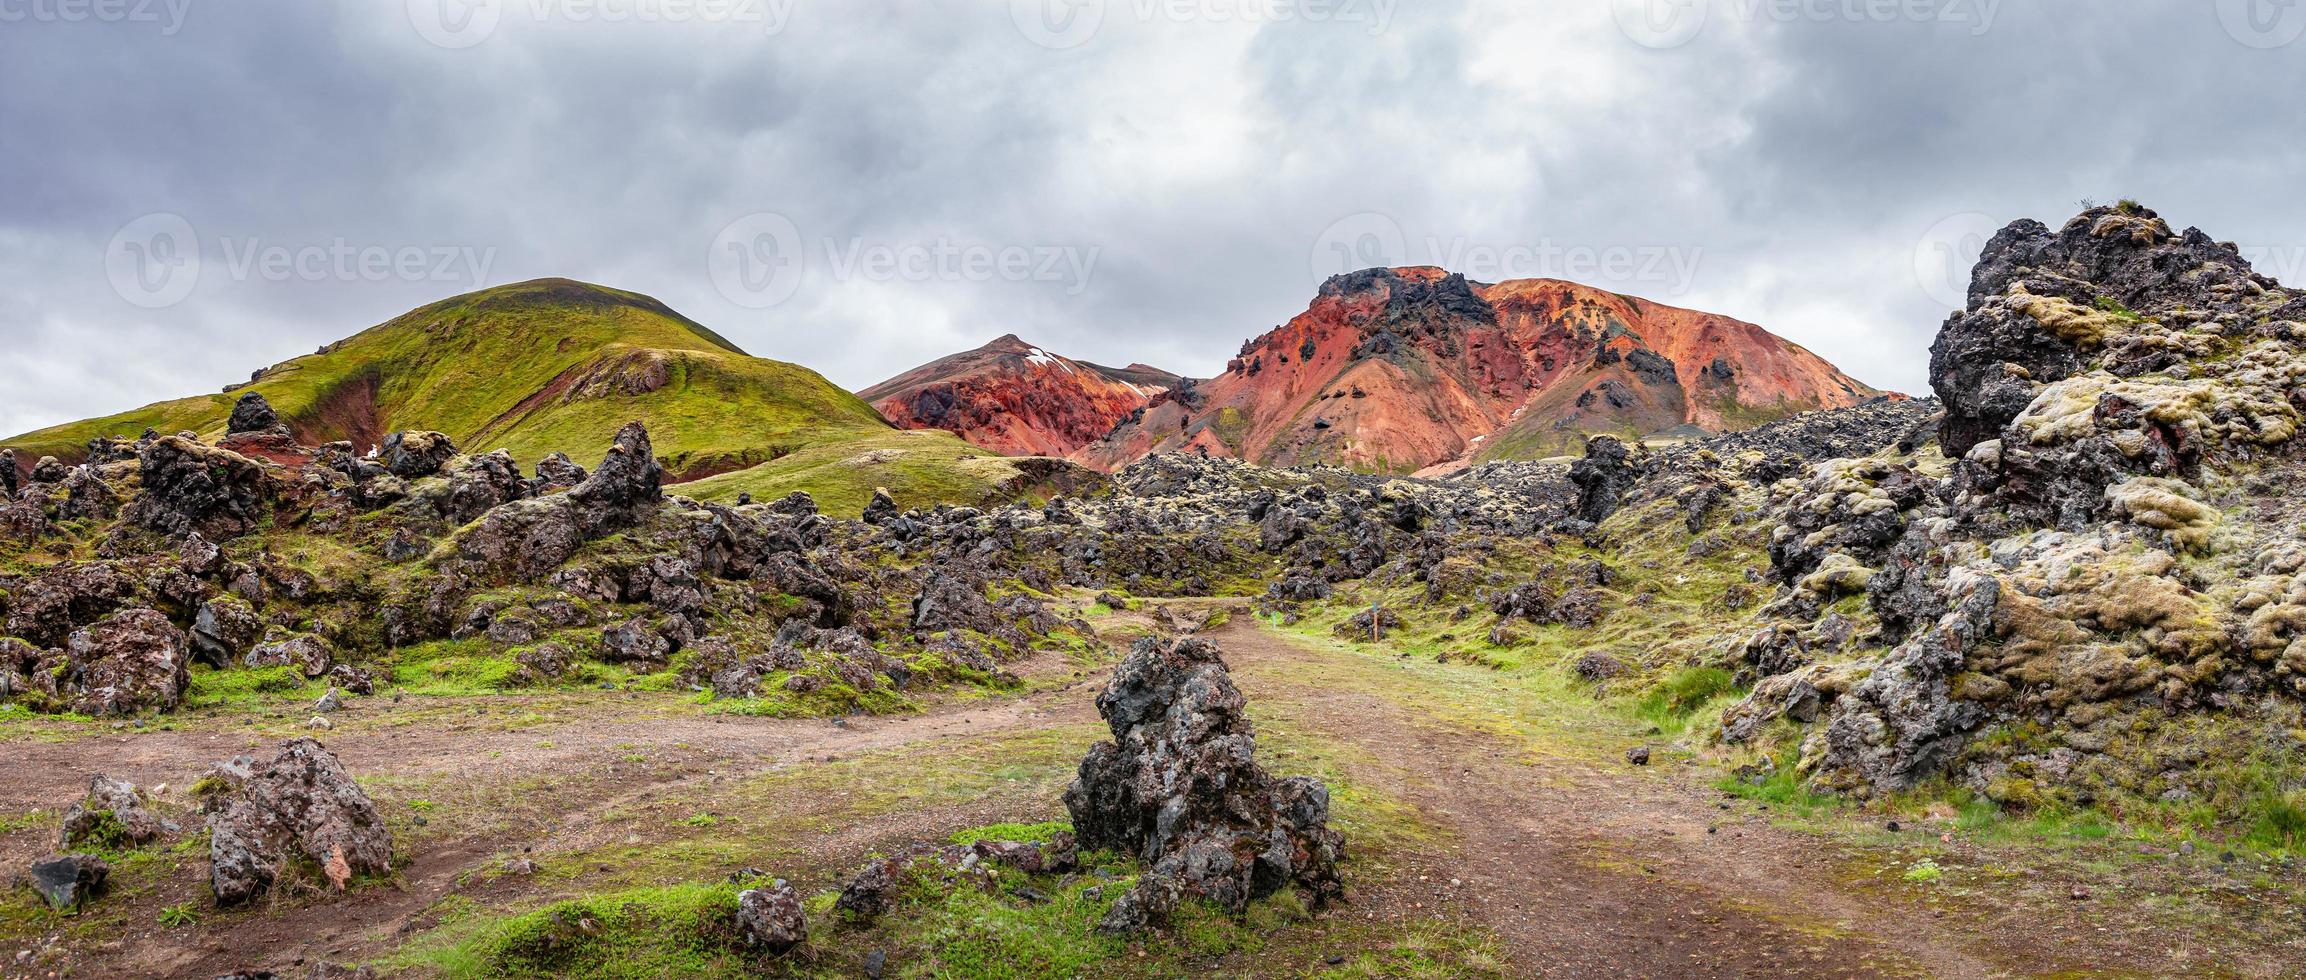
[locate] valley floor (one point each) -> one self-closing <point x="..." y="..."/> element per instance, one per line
<point x="1495" y="827"/>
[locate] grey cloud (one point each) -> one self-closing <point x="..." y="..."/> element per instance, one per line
<point x="1797" y="163"/>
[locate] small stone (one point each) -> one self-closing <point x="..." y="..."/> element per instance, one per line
<point x="771" y="919"/>
<point x="876" y="963"/>
<point x="1638" y="755"/>
<point x="67" y="882"/>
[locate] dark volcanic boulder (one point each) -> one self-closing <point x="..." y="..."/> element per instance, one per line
<point x="2047" y="305"/>
<point x="949" y="602"/>
<point x="134" y="661"/>
<point x="475" y="485"/>
<point x="112" y="816"/>
<point x="48" y="470"/>
<point x="253" y="414"/>
<point x="1609" y="469"/>
<point x="625" y="488"/>
<point x="224" y="629"/>
<point x="556" y="472"/>
<point x="306" y="652"/>
<point x="528" y="539"/>
<point x="302" y="805"/>
<point x="1179" y="787"/>
<point x="770" y="919"/>
<point x="68" y="881"/>
<point x="411" y="455"/>
<point x="191" y="488"/>
<point x="47" y="607"/>
<point x="11" y="473"/>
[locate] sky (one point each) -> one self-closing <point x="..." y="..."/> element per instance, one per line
<point x="199" y="188"/>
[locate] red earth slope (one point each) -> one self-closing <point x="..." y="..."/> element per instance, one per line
<point x="1401" y="370"/>
<point x="1014" y="398"/>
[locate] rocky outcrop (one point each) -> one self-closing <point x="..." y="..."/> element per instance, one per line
<point x="529" y="539"/>
<point x="190" y="488"/>
<point x="2105" y="535"/>
<point x="134" y="661"/>
<point x="301" y="805"/>
<point x="413" y="455"/>
<point x="1179" y="787"/>
<point x="1017" y="399"/>
<point x="253" y="415"/>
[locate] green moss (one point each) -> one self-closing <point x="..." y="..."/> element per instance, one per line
<point x="238" y="685"/>
<point x="1030" y="833"/>
<point x="680" y="930"/>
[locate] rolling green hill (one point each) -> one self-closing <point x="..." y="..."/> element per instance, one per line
<point x="554" y="364"/>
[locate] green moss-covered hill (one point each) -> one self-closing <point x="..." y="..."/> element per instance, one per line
<point x="557" y="365"/>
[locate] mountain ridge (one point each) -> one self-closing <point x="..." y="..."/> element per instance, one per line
<point x="1014" y="397"/>
<point x="1412" y="368"/>
<point x="556" y="365"/>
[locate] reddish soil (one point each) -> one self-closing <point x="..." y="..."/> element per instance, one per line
<point x="1017" y="399"/>
<point x="1403" y="369"/>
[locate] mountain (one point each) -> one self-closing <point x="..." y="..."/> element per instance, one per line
<point x="1401" y="370"/>
<point x="556" y="365"/>
<point x="1013" y="397"/>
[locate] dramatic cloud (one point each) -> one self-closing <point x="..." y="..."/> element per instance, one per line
<point x="200" y="188"/>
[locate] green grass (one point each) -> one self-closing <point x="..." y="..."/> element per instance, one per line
<point x="1029" y="833"/>
<point x="919" y="468"/>
<point x="241" y="686"/>
<point x="1689" y="696"/>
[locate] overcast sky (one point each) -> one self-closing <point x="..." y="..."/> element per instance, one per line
<point x="197" y="188"/>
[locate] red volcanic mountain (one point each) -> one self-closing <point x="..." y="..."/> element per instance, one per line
<point x="1400" y="370"/>
<point x="1014" y="398"/>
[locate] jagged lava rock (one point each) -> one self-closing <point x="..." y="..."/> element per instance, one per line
<point x="1179" y="787"/>
<point x="304" y="804"/>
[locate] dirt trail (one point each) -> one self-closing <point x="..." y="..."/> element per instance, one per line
<point x="1581" y="869"/>
<point x="1586" y="875"/>
<point x="366" y="924"/>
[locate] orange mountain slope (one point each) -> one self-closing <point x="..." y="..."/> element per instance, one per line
<point x="1014" y="398"/>
<point x="1401" y="370"/>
